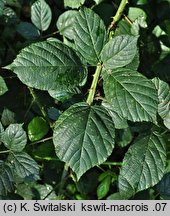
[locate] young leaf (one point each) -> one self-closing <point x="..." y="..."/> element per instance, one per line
<point x="131" y="95"/>
<point x="3" y="87"/>
<point x="143" y="165"/>
<point x="119" y="51"/>
<point x="103" y="187"/>
<point x="37" y="128"/>
<point x="24" y="166"/>
<point x="84" y="137"/>
<point x="14" y="137"/>
<point x="6" y="179"/>
<point x="65" y="23"/>
<point x="73" y="4"/>
<point x="89" y="35"/>
<point x="49" y="65"/>
<point x="41" y="15"/>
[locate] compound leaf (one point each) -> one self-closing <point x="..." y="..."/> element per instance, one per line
<point x="119" y="51"/>
<point x="84" y="137"/>
<point x="143" y="165"/>
<point x="89" y="35"/>
<point x="14" y="137"/>
<point x="6" y="179"/>
<point x="131" y="95"/>
<point x="3" y="87"/>
<point x="41" y="15"/>
<point x="24" y="166"/>
<point x="48" y="65"/>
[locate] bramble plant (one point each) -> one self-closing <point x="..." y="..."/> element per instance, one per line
<point x="86" y="114"/>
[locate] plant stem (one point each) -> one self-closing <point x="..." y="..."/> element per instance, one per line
<point x="43" y="140"/>
<point x="118" y="14"/>
<point x="112" y="163"/>
<point x="92" y="90"/>
<point x="36" y="99"/>
<point x="63" y="179"/>
<point x="3" y="152"/>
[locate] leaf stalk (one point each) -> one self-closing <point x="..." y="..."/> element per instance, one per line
<point x="92" y="90"/>
<point x="118" y="14"/>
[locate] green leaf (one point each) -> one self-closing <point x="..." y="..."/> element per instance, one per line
<point x="124" y="137"/>
<point x="46" y="191"/>
<point x="118" y="120"/>
<point x="27" y="30"/>
<point x="103" y="187"/>
<point x="48" y="65"/>
<point x="53" y="113"/>
<point x="14" y="137"/>
<point x="64" y="94"/>
<point x="73" y="4"/>
<point x="98" y="1"/>
<point x="41" y="15"/>
<point x="134" y="64"/>
<point x="115" y="196"/>
<point x="164" y="185"/>
<point x="8" y="117"/>
<point x="24" y="166"/>
<point x="37" y="128"/>
<point x="164" y="100"/>
<point x="3" y="87"/>
<point x="143" y="165"/>
<point x="65" y="23"/>
<point x="135" y="12"/>
<point x="1" y="131"/>
<point x="163" y="96"/>
<point x="6" y="179"/>
<point x="123" y="28"/>
<point x="137" y="24"/>
<point x="167" y="120"/>
<point x="131" y="95"/>
<point x="13" y="3"/>
<point x="1" y="7"/>
<point x="89" y="35"/>
<point x="119" y="51"/>
<point x="84" y="137"/>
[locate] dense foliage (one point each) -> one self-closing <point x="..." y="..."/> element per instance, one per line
<point x="84" y="99"/>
